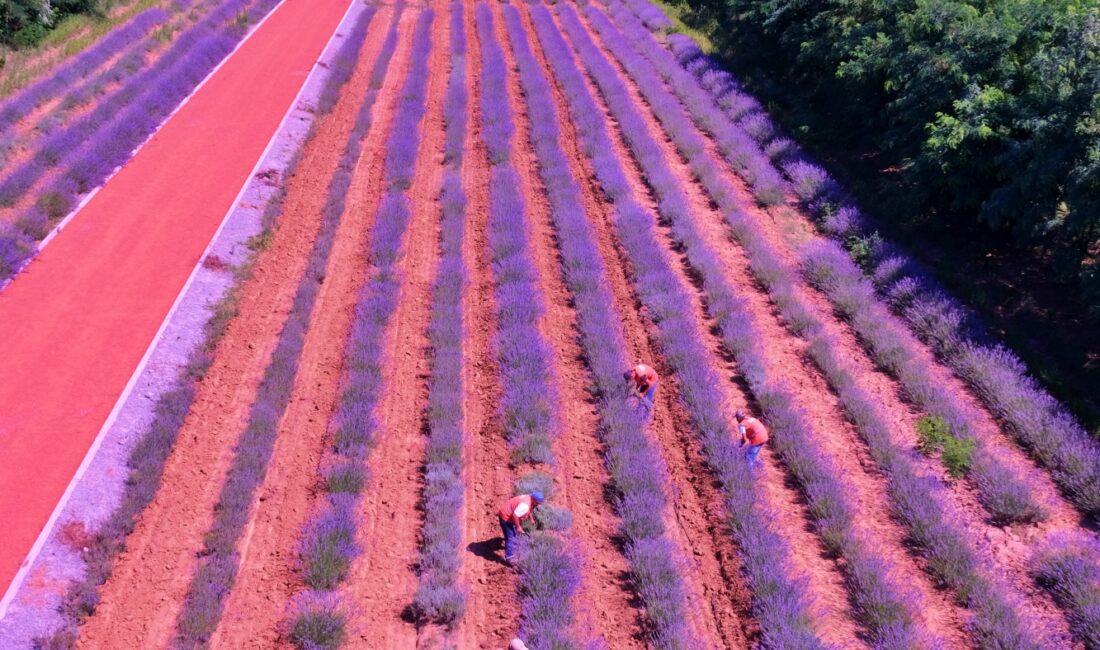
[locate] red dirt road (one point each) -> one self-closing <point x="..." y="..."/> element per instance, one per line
<point x="93" y="300"/>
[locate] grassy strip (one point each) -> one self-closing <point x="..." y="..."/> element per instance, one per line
<point x="217" y="567"/>
<point x="439" y="597"/>
<point x="548" y="571"/>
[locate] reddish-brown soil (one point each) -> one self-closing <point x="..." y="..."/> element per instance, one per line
<point x="143" y="597"/>
<point x="492" y="608"/>
<point x="381" y="582"/>
<point x="267" y="579"/>
<point x="603" y="601"/>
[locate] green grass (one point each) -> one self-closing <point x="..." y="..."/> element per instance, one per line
<point x="73" y="35"/>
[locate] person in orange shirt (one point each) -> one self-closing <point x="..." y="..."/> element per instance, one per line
<point x="644" y="379"/>
<point x="513" y="513"/>
<point x="755" y="434"/>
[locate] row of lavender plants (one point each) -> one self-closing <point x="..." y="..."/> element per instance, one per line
<point x="91" y="149"/>
<point x="328" y="542"/>
<point x="1004" y="495"/>
<point x="438" y="596"/>
<point x="633" y="463"/>
<point x="146" y="461"/>
<point x="1044" y="427"/>
<point x="950" y="555"/>
<point x="548" y="572"/>
<point x="27" y="101"/>
<point x="1068" y="568"/>
<point x="214" y="576"/>
<point x="779" y="601"/>
<point x="880" y="603"/>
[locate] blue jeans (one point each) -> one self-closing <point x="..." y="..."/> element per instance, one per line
<point x="753" y="455"/>
<point x="509" y="539"/>
<point x="649" y="394"/>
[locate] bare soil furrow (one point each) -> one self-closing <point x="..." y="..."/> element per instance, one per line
<point x="267" y="578"/>
<point x="684" y="456"/>
<point x="381" y="582"/>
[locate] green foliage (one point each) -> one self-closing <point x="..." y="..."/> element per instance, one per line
<point x="933" y="436"/>
<point x="957" y="456"/>
<point x="990" y="109"/>
<point x="25" y="23"/>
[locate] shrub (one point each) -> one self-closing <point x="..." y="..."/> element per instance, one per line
<point x="318" y="623"/>
<point x="1069" y="568"/>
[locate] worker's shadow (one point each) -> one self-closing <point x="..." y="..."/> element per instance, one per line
<point x="489" y="549"/>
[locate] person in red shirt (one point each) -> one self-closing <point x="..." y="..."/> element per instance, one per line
<point x="644" y="379"/>
<point x="513" y="513"/>
<point x="755" y="434"/>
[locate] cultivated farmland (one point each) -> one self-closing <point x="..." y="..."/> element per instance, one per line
<point x="474" y="217"/>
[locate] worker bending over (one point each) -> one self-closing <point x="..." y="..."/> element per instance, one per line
<point x="644" y="380"/>
<point x="755" y="434"/>
<point x="513" y="513"/>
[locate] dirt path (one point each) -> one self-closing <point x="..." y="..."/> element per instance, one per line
<point x="603" y="601"/>
<point x="825" y="586"/>
<point x="267" y="578"/>
<point x="381" y="582"/>
<point x="492" y="608"/>
<point x="142" y="599"/>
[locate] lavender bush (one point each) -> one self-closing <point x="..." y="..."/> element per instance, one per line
<point x="147" y="459"/>
<point x="778" y="600"/>
<point x="216" y="571"/>
<point x="92" y="148"/>
<point x="438" y="596"/>
<point x="524" y="356"/>
<point x="631" y="460"/>
<point x="1070" y="569"/>
<point x="1004" y="495"/>
<point x="325" y="566"/>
